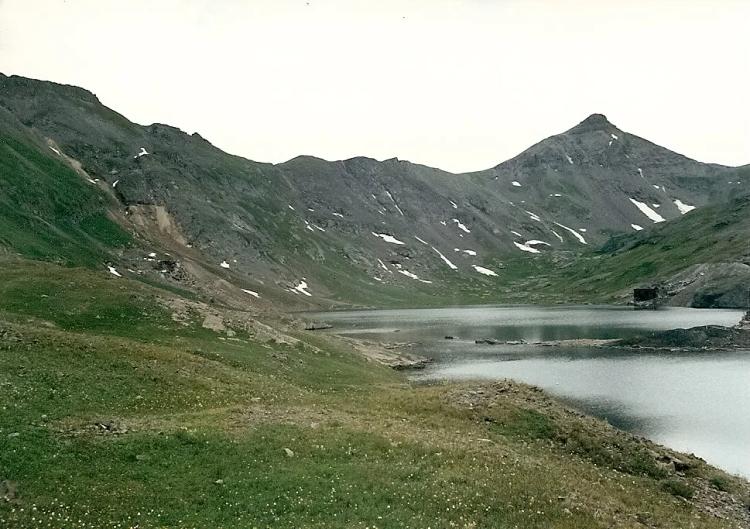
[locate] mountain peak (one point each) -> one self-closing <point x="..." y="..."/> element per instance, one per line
<point x="593" y="122"/>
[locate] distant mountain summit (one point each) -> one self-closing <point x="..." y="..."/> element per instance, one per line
<point x="352" y="229"/>
<point x="593" y="122"/>
<point x="609" y="180"/>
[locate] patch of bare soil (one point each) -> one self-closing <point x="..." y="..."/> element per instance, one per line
<point x="157" y="223"/>
<point x="222" y="320"/>
<point x="390" y="355"/>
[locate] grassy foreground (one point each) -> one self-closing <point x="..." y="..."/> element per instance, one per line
<point x="114" y="415"/>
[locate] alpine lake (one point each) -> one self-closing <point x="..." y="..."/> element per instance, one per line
<point x="695" y="402"/>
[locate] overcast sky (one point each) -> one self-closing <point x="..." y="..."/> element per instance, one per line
<point x="460" y="85"/>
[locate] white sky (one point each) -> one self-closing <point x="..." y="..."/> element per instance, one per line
<point x="460" y="85"/>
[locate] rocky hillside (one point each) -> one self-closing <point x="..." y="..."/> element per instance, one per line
<point x="701" y="260"/>
<point x="311" y="231"/>
<point x="614" y="181"/>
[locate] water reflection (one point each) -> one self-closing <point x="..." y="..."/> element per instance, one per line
<point x="617" y="414"/>
<point x="520" y="322"/>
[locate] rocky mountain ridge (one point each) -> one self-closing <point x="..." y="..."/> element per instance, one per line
<point x="360" y="229"/>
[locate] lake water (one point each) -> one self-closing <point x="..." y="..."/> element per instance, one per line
<point x="696" y="402"/>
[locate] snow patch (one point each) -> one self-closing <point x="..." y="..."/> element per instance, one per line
<point x="420" y="240"/>
<point x="339" y="215"/>
<point x="307" y="225"/>
<point x="636" y="227"/>
<point x="382" y="265"/>
<point x="224" y="264"/>
<point x="461" y="226"/>
<point x="646" y="210"/>
<point x="115" y="184"/>
<point x="570" y="160"/>
<point x="516" y="234"/>
<point x="526" y="248"/>
<point x="533" y="216"/>
<point x="536" y="242"/>
<point x="376" y="278"/>
<point x="55" y="150"/>
<point x="484" y="271"/>
<point x="394" y="202"/>
<point x="445" y="259"/>
<point x="291" y="207"/>
<point x="684" y="208"/>
<point x="574" y="232"/>
<point x="413" y="276"/>
<point x="516" y="183"/>
<point x="455" y="206"/>
<point x="469" y="252"/>
<point x="143" y="152"/>
<point x="640" y="172"/>
<point x="152" y="255"/>
<point x="251" y="292"/>
<point x="387" y="238"/>
<point x="557" y="235"/>
<point x="113" y="271"/>
<point x="302" y="288"/>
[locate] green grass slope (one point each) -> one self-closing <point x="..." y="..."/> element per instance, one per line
<point x="116" y="415"/>
<point x="47" y="211"/>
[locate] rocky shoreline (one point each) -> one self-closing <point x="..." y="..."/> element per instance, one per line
<point x="703" y="338"/>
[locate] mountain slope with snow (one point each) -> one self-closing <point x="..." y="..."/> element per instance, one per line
<point x="700" y="260"/>
<point x="311" y="231"/>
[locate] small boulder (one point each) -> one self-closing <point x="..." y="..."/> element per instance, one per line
<point x="316" y="326"/>
<point x="8" y="490"/>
